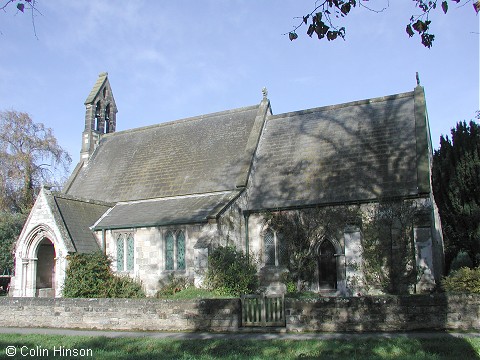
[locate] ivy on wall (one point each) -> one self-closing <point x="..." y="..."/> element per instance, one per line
<point x="388" y="249"/>
<point x="389" y="262"/>
<point x="302" y="230"/>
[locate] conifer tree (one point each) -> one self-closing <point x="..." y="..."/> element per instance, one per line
<point x="456" y="187"/>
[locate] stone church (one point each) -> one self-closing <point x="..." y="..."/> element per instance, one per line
<point x="157" y="199"/>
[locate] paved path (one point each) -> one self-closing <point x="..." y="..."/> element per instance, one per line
<point x="237" y="335"/>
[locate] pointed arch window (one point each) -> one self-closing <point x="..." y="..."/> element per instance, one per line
<point x="175" y="250"/>
<point x="98" y="116"/>
<point x="107" y="119"/>
<point x="274" y="248"/>
<point x="125" y="252"/>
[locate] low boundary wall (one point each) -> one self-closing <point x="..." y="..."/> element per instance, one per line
<point x="384" y="313"/>
<point x="380" y="313"/>
<point x="122" y="314"/>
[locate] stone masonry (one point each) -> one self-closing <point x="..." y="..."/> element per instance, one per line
<point x="326" y="314"/>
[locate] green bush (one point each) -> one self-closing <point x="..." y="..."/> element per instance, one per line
<point x="10" y="227"/>
<point x="90" y="276"/>
<point x="464" y="280"/>
<point x="461" y="260"/>
<point x="124" y="287"/>
<point x="287" y="279"/>
<point x="230" y="272"/>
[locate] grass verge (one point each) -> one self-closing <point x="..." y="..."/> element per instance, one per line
<point x="43" y="346"/>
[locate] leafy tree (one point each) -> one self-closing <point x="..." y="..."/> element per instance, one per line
<point x="456" y="187"/>
<point x="321" y="20"/>
<point x="29" y="156"/>
<point x="10" y="227"/>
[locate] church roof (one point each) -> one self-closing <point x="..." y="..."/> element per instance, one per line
<point x="203" y="154"/>
<point x="77" y="217"/>
<point x="190" y="170"/>
<point x="354" y="152"/>
<point x="188" y="209"/>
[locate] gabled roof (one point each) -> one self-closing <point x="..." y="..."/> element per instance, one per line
<point x="102" y="78"/>
<point x="190" y="209"/>
<point x="204" y="154"/>
<point x="354" y="152"/>
<point x="78" y="216"/>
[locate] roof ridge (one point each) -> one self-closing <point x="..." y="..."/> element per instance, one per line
<point x="75" y="198"/>
<point x="221" y="192"/>
<point x="184" y="120"/>
<point x="344" y="105"/>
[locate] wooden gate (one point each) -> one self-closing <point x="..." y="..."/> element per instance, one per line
<point x="263" y="310"/>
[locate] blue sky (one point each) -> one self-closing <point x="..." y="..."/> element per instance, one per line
<point x="169" y="60"/>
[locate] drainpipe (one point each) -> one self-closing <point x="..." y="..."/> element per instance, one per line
<point x="246" y="215"/>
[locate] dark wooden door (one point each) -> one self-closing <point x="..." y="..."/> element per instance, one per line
<point x="327" y="266"/>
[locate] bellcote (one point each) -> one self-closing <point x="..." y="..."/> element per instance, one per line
<point x="100" y="115"/>
<point x="101" y="110"/>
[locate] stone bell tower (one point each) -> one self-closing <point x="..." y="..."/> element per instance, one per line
<point x="100" y="116"/>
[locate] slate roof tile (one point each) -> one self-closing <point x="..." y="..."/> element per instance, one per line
<point x="345" y="153"/>
<point x="166" y="211"/>
<point x="197" y="155"/>
<point x="78" y="216"/>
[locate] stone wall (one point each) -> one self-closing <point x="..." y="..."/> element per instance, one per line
<point x="121" y="314"/>
<point x="382" y="313"/>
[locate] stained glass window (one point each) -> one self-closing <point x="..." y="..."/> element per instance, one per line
<point x="269" y="247"/>
<point x="180" y="251"/>
<point x="169" y="250"/>
<point x="130" y="252"/>
<point x="120" y="252"/>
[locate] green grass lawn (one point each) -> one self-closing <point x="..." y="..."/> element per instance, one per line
<point x="42" y="347"/>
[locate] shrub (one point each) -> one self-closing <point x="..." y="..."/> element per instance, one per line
<point x="289" y="283"/>
<point x="90" y="276"/>
<point x="464" y="280"/>
<point x="230" y="272"/>
<point x="461" y="260"/>
<point x="124" y="287"/>
<point x="10" y="227"/>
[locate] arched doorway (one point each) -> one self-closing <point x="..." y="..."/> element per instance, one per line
<point x="327" y="266"/>
<point x="45" y="274"/>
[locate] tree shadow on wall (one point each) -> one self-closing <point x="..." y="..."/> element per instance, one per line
<point x="335" y="155"/>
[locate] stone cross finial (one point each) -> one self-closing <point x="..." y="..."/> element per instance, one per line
<point x="265" y="93"/>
